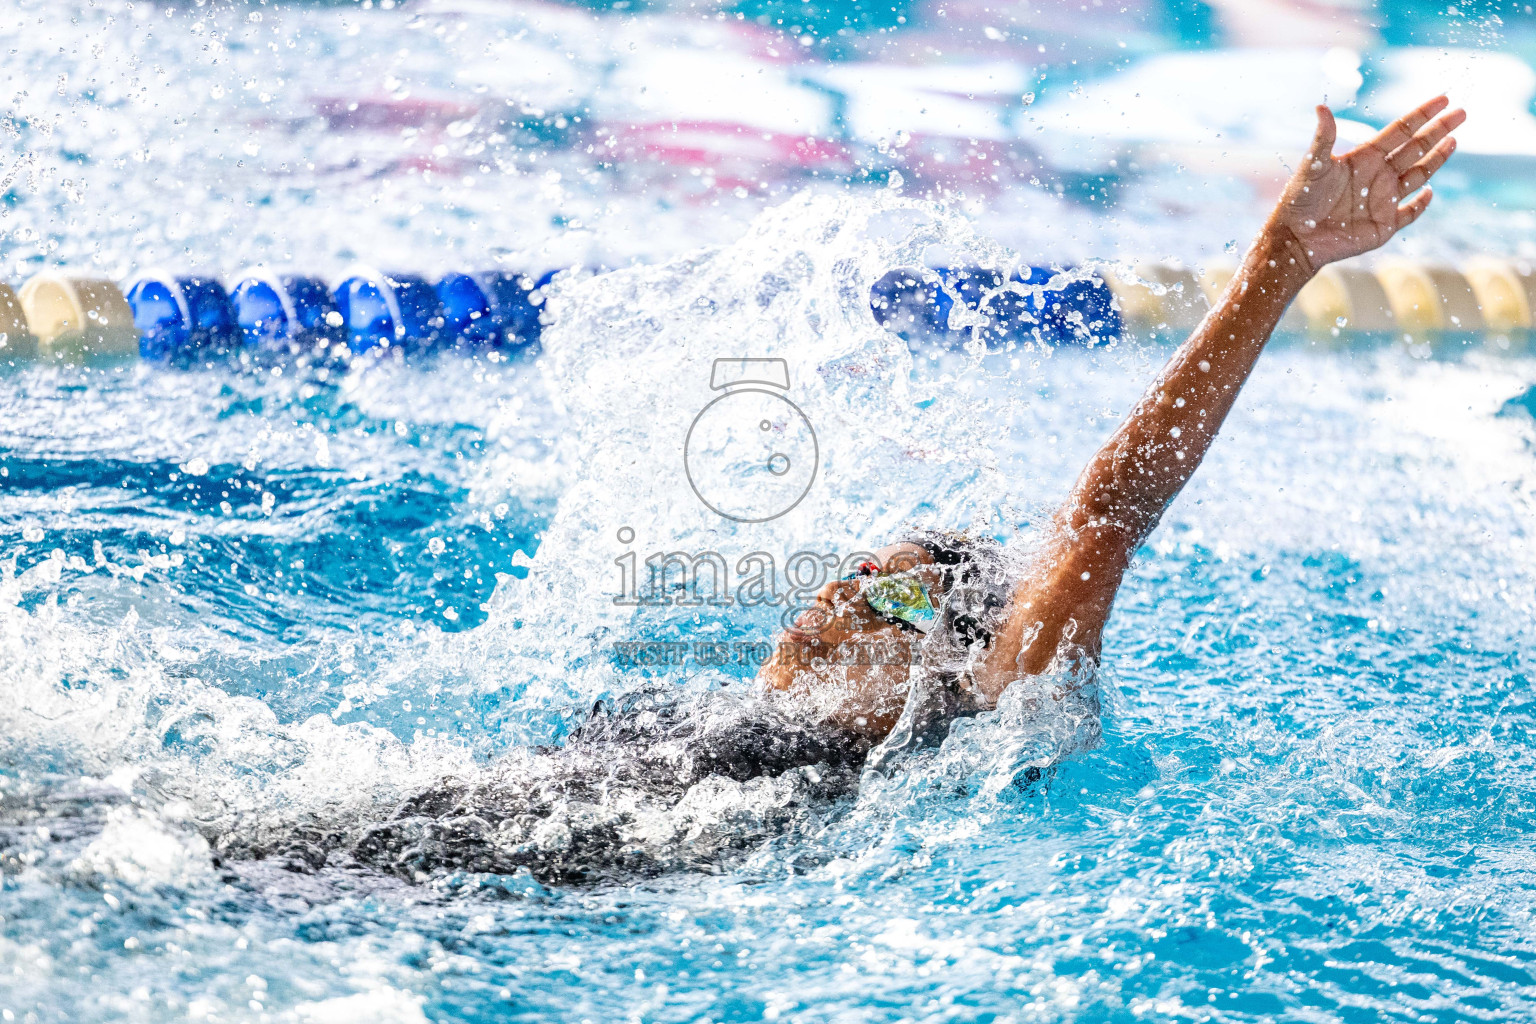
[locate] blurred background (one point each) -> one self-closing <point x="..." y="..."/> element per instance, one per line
<point x="211" y="134"/>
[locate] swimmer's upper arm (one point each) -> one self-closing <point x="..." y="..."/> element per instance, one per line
<point x="1066" y="596"/>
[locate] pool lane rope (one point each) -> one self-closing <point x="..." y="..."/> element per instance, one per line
<point x="57" y="316"/>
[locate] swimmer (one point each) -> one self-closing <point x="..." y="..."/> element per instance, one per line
<point x="978" y="624"/>
<point x="934" y="627"/>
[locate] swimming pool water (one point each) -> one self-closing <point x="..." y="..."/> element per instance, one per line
<point x="1312" y="800"/>
<point x="241" y="607"/>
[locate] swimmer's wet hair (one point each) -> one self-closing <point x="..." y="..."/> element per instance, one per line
<point x="974" y="582"/>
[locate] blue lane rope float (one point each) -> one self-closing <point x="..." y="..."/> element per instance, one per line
<point x="169" y="318"/>
<point x="910" y="303"/>
<point x="161" y="315"/>
<point x="516" y="304"/>
<point x="1028" y="303"/>
<point x="467" y="313"/>
<point x="286" y="315"/>
<point x="381" y="311"/>
<point x="182" y="317"/>
<point x="490" y="309"/>
<point x="1071" y="309"/>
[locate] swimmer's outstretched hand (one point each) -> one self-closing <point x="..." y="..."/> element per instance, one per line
<point x="1338" y="207"/>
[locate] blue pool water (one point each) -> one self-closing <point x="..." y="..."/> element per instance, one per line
<point x="246" y="611"/>
<point x="239" y="604"/>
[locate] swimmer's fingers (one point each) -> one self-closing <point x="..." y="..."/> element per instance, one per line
<point x="1413" y="209"/>
<point x="1327" y="134"/>
<point x="1424" y="142"/>
<point x="1425" y="169"/>
<point x="1397" y="134"/>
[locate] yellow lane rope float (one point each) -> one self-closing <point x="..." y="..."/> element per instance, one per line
<point x="78" y="319"/>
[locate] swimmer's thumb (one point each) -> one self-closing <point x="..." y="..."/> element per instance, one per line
<point x="1327" y="134"/>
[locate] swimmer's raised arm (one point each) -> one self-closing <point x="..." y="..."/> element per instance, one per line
<point x="1331" y="209"/>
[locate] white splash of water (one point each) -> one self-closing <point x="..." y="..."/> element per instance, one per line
<point x="139" y="849"/>
<point x="628" y="357"/>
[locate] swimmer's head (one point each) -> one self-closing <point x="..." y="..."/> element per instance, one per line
<point x="863" y="650"/>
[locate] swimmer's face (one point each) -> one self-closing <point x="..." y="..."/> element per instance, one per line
<point x="840" y="644"/>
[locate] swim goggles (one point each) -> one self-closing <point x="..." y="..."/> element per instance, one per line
<point x="902" y="600"/>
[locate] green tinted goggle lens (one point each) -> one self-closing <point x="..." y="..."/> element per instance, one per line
<point x="901" y="598"/>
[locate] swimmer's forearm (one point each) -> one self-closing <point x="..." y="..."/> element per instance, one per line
<point x="1130" y="482"/>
